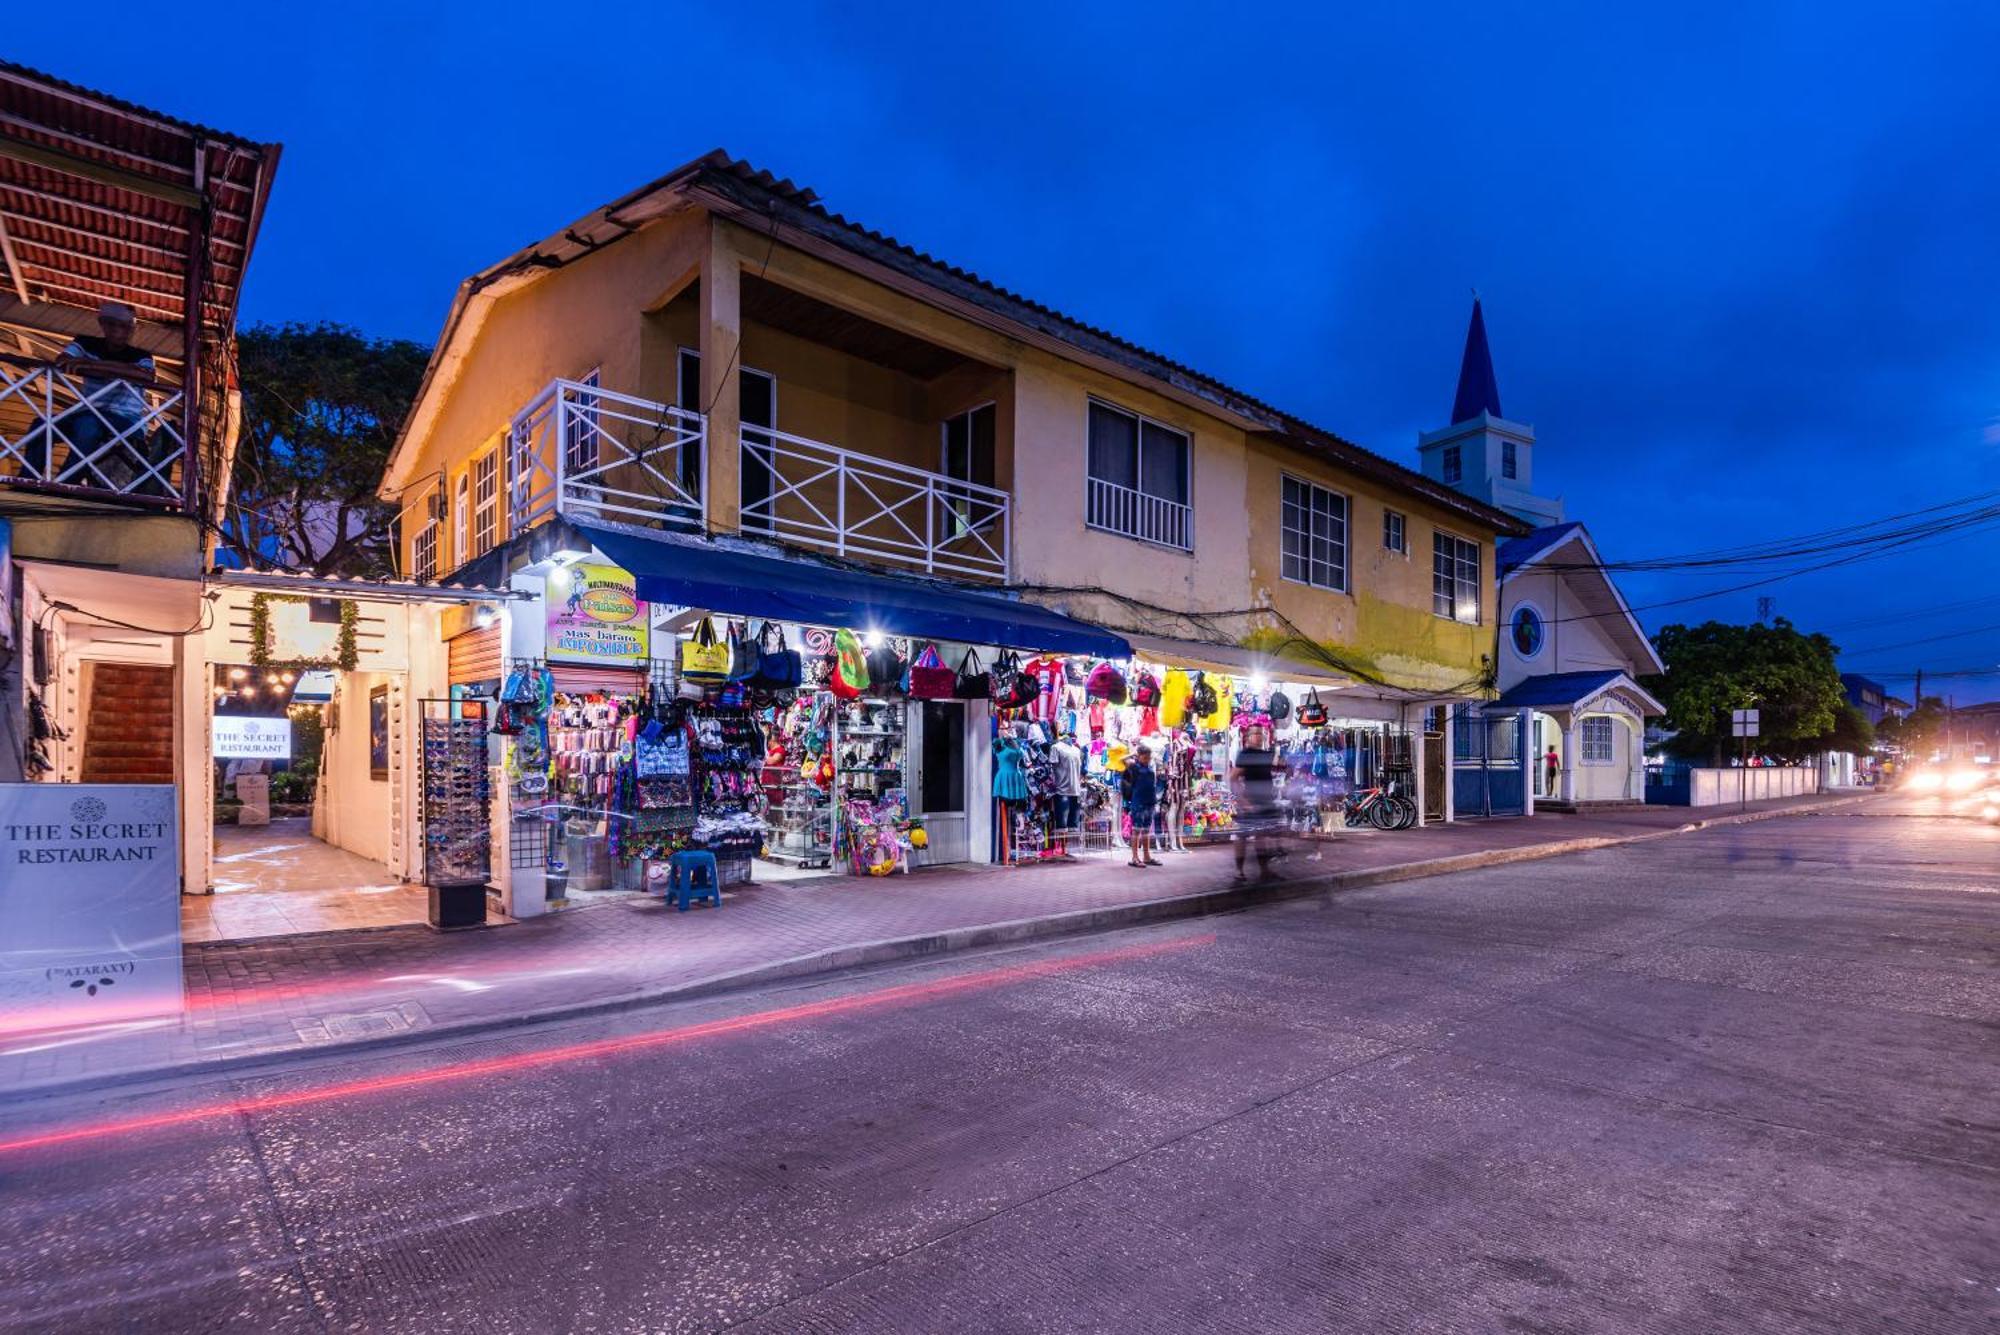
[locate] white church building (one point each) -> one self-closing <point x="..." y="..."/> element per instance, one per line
<point x="1568" y="726"/>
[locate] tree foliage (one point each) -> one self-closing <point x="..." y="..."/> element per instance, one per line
<point x="321" y="407"/>
<point x="1852" y="732"/>
<point x="1714" y="668"/>
<point x="1919" y="731"/>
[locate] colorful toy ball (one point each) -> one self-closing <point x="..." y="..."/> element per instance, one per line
<point x="920" y="838"/>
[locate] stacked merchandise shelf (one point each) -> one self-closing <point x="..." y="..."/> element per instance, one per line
<point x="455" y="787"/>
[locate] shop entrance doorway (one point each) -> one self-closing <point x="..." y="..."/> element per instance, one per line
<point x="943" y="779"/>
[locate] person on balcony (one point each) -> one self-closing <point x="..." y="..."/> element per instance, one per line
<point x="107" y="447"/>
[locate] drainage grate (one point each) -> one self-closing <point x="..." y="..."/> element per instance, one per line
<point x="397" y="1019"/>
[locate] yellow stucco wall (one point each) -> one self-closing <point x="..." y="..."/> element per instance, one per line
<point x="630" y="308"/>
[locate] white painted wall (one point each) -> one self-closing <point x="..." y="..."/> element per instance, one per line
<point x="1717" y="787"/>
<point x="1572" y="646"/>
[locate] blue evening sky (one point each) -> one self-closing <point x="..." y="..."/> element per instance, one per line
<point x="1740" y="262"/>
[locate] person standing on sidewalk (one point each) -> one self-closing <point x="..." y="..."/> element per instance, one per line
<point x="1142" y="802"/>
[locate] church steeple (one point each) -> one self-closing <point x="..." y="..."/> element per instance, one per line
<point x="1482" y="453"/>
<point x="1478" y="391"/>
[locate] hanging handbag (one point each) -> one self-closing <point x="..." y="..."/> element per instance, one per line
<point x="778" y="667"/>
<point x="1312" y="714"/>
<point x="1202" y="700"/>
<point x="930" y="679"/>
<point x="743" y="654"/>
<point x="704" y="658"/>
<point x="850" y="667"/>
<point x="1146" y="690"/>
<point x="1013" y="688"/>
<point x="1106" y="683"/>
<point x="885" y="668"/>
<point x="1281" y="706"/>
<point x="973" y="681"/>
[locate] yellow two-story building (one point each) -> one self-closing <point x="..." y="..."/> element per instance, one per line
<point x="758" y="409"/>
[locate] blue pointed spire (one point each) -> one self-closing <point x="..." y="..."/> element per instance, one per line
<point x="1478" y="392"/>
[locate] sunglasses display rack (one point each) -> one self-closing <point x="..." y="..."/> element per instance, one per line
<point x="798" y="779"/>
<point x="456" y="789"/>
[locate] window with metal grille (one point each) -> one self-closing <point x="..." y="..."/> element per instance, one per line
<point x="1312" y="535"/>
<point x="1510" y="462"/>
<point x="1454" y="577"/>
<point x="1454" y="467"/>
<point x="1138" y="478"/>
<point x="485" y="502"/>
<point x="1395" y="532"/>
<point x="1599" y="743"/>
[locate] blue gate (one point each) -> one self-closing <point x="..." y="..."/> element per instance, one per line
<point x="1486" y="774"/>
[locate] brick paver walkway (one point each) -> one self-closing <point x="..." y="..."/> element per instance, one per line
<point x="275" y="995"/>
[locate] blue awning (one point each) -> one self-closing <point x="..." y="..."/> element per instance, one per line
<point x="737" y="583"/>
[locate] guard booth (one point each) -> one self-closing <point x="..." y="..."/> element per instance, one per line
<point x="1487" y="776"/>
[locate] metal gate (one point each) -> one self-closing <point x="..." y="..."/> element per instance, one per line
<point x="1486" y="774"/>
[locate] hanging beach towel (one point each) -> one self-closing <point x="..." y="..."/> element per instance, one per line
<point x="850" y="667"/>
<point x="1218" y="718"/>
<point x="1174" y="699"/>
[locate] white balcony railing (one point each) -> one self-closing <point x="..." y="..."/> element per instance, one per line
<point x="592" y="453"/>
<point x="1121" y="509"/>
<point x="90" y="433"/>
<point x="818" y="495"/>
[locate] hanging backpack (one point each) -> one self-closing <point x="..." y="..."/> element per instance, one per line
<point x="930" y="679"/>
<point x="1202" y="700"/>
<point x="1312" y="714"/>
<point x="1146" y="690"/>
<point x="778" y="668"/>
<point x="1281" y="706"/>
<point x="972" y="682"/>
<point x="704" y="658"/>
<point x="885" y="668"/>
<point x="850" y="667"/>
<point x="1106" y="683"/>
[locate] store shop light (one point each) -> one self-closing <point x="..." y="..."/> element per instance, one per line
<point x="249" y="692"/>
<point x="1258" y="682"/>
<point x="483" y="616"/>
<point x="559" y="576"/>
<point x="238" y="674"/>
<point x="873" y="639"/>
<point x="285" y="677"/>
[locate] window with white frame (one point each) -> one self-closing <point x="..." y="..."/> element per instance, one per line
<point x="1454" y="577"/>
<point x="424" y="547"/>
<point x="485" y="502"/>
<point x="1454" y="466"/>
<point x="1312" y="535"/>
<point x="1598" y="742"/>
<point x="1510" y="462"/>
<point x="1395" y="532"/>
<point x="1139" y="479"/>
<point x="580" y="426"/>
<point x="968" y="453"/>
<point x="461" y="520"/>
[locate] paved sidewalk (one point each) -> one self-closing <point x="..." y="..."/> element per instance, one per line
<point x="262" y="998"/>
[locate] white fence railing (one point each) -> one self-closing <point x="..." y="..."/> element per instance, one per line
<point x="1121" y="509"/>
<point x="592" y="453"/>
<point x="818" y="495"/>
<point x="90" y="432"/>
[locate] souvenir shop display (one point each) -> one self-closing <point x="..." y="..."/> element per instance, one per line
<point x="798" y="779"/>
<point x="728" y="761"/>
<point x="869" y="758"/>
<point x="455" y="792"/>
<point x="880" y="834"/>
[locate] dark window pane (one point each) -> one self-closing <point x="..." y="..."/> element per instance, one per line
<point x="943" y="756"/>
<point x="981" y="447"/>
<point x="1164" y="464"/>
<point x="1114" y="446"/>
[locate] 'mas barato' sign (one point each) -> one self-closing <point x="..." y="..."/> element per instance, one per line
<point x="89" y="903"/>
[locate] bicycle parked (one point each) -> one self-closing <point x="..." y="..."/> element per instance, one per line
<point x="1381" y="807"/>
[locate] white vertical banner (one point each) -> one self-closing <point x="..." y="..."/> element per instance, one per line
<point x="90" y="912"/>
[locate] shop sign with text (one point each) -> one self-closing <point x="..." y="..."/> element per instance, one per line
<point x="90" y="893"/>
<point x="240" y="737"/>
<point x="595" y="616"/>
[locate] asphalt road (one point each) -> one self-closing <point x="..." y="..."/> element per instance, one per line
<point x="1741" y="1080"/>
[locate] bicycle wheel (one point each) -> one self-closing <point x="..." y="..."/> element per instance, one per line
<point x="1406" y="813"/>
<point x="1382" y="815"/>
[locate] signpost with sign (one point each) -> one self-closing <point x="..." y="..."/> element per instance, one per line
<point x="90" y="906"/>
<point x="1743" y="724"/>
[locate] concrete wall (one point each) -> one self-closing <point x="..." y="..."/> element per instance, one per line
<point x="1717" y="787"/>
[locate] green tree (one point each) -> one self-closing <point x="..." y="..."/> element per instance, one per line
<point x="1919" y="731"/>
<point x="321" y="408"/>
<point x="1852" y="732"/>
<point x="1790" y="678"/>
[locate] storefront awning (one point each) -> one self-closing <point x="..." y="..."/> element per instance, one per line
<point x="740" y="583"/>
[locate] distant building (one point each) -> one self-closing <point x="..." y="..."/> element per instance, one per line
<point x="1867" y="695"/>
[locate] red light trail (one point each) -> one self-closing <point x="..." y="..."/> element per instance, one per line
<point x="604" y="1047"/>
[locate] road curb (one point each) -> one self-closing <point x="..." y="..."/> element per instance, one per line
<point x="1231" y="899"/>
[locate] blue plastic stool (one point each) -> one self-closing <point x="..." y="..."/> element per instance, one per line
<point x="686" y="870"/>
